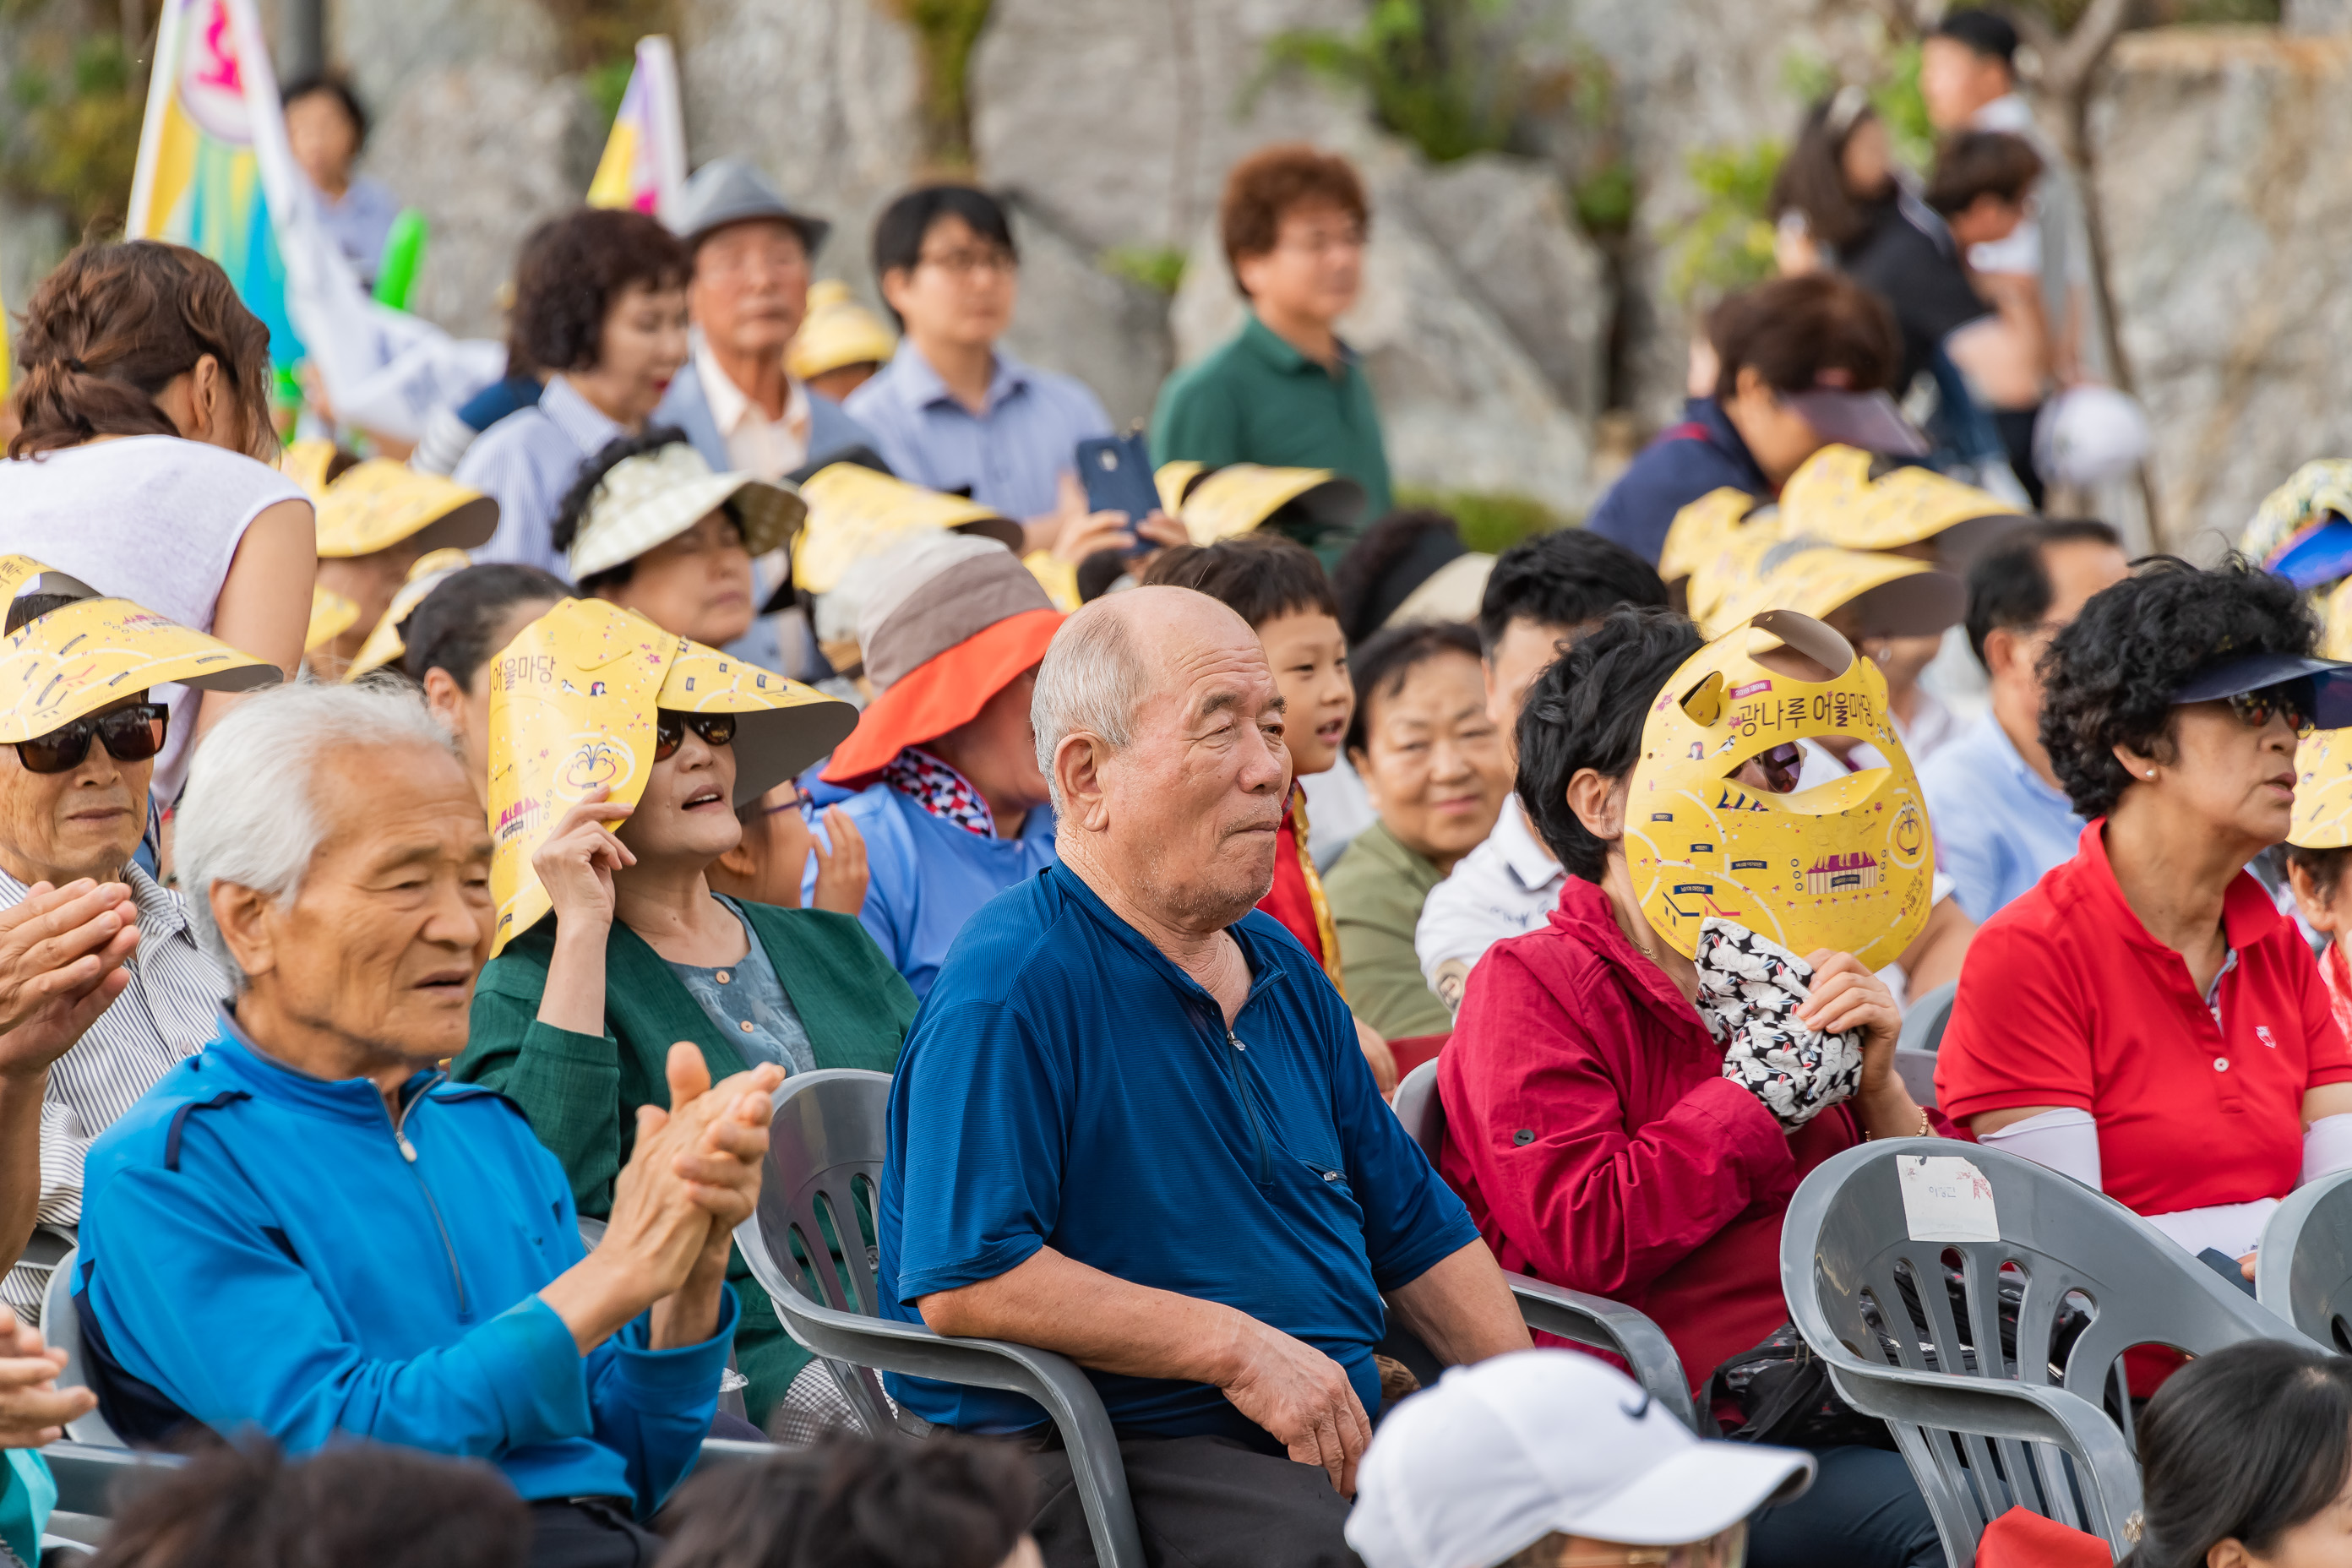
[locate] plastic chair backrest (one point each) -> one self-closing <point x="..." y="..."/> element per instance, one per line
<point x="2302" y="1271"/>
<point x="61" y="1328"/>
<point x="1925" y="1020"/>
<point x="1423" y="1113"/>
<point x="1852" y="1245"/>
<point x="826" y="1146"/>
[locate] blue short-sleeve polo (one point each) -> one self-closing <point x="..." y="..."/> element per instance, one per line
<point x="1065" y="1084"/>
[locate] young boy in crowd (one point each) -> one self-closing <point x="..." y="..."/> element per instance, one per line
<point x="2316" y="875"/>
<point x="1280" y="589"/>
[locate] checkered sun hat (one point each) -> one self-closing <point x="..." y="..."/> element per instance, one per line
<point x="654" y="497"/>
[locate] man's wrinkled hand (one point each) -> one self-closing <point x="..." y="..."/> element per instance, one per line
<point x="1302" y="1397"/>
<point x="62" y="953"/>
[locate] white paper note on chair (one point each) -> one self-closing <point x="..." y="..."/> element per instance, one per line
<point x="1945" y="1198"/>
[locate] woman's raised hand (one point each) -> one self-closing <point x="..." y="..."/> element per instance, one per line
<point x="841" y="873"/>
<point x="576" y="863"/>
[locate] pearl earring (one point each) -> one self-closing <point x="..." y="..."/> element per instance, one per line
<point x="2151" y="773"/>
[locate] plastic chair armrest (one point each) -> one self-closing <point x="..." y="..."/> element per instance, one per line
<point x="1610" y="1326"/>
<point x="2105" y="1468"/>
<point x="734" y="1451"/>
<point x="95" y="1480"/>
<point x="1052" y="1380"/>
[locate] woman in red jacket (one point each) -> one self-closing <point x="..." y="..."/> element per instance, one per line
<point x="1592" y="1130"/>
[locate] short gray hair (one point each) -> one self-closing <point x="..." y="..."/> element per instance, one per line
<point x="1092" y="680"/>
<point x="250" y="815"/>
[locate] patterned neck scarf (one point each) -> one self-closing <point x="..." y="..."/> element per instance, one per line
<point x="939" y="789"/>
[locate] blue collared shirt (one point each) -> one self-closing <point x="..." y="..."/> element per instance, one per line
<point x="1008" y="458"/>
<point x="1066" y="1086"/>
<point x="525" y="462"/>
<point x="1998" y="824"/>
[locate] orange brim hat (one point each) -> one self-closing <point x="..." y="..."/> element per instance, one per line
<point x="943" y="692"/>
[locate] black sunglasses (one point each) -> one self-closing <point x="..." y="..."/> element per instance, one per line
<point x="670" y="728"/>
<point x="2291" y="697"/>
<point x="1781" y="767"/>
<point x="130" y="734"/>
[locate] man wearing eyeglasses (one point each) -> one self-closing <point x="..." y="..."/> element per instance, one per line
<point x="2000" y="819"/>
<point x="953" y="410"/>
<point x="103" y="988"/>
<point x="1284" y="391"/>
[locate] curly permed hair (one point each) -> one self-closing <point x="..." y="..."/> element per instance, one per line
<point x="2109" y="677"/>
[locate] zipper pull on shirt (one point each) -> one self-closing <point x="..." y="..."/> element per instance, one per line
<point x="407" y="1150"/>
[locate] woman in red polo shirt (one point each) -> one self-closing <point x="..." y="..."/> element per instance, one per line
<point x="2145" y="1019"/>
<point x="1592" y="1130"/>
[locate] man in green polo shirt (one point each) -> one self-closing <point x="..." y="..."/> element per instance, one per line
<point x="1284" y="391"/>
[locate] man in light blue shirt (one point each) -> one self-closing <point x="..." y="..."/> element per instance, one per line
<point x="952" y="410"/>
<point x="2000" y="819"/>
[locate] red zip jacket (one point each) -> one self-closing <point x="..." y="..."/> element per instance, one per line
<point x="1591" y="1132"/>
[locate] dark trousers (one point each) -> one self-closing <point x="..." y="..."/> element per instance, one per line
<point x="1864" y="1511"/>
<point x="1202" y="1502"/>
<point x="589" y="1534"/>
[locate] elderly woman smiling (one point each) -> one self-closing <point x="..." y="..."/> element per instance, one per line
<point x="2146" y="997"/>
<point x="575" y="1019"/>
<point x="1436" y="767"/>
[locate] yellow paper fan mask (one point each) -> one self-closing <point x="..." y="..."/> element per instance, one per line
<point x="2323" y="791"/>
<point x="1833" y="498"/>
<point x="384" y="644"/>
<point x="379" y="503"/>
<point x="86" y="656"/>
<point x="1237" y="497"/>
<point x="331" y="614"/>
<point x="574" y="706"/>
<point x="1847" y="865"/>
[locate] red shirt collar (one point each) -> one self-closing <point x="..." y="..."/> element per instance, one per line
<point x="2248" y="915"/>
<point x="1583" y="913"/>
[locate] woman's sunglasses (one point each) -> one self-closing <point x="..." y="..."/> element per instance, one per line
<point x="130" y="734"/>
<point x="2291" y="697"/>
<point x="669" y="731"/>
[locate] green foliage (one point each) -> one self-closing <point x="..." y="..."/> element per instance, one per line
<point x="946" y="31"/>
<point x="605" y="86"/>
<point x="1897" y="99"/>
<point x="1727" y="244"/>
<point x="596" y="37"/>
<point x="1159" y="267"/>
<point x="1490" y="520"/>
<point x="77" y="134"/>
<point x="1428" y="81"/>
<point x="1604" y="198"/>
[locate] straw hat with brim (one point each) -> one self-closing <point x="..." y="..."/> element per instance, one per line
<point x="1239" y="497"/>
<point x="956" y="621"/>
<point x="385" y="643"/>
<point x="575" y="701"/>
<point x="81" y="656"/>
<point x="653" y="497"/>
<point x="837" y="332"/>
<point x="1882" y="595"/>
<point x="379" y="504"/>
<point x="1833" y="497"/>
<point x="854" y="512"/>
<point x="331" y="614"/>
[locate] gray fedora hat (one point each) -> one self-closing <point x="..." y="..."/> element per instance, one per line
<point x="729" y="190"/>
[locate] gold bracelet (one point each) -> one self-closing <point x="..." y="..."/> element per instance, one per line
<point x="1927" y="1128"/>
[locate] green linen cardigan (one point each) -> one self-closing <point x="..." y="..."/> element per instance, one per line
<point x="581" y="1092"/>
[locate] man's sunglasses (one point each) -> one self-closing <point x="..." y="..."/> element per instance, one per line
<point x="2291" y="697"/>
<point x="669" y="731"/>
<point x="130" y="734"/>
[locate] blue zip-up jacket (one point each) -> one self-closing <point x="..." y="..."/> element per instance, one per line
<point x="263" y="1248"/>
<point x="1702" y="455"/>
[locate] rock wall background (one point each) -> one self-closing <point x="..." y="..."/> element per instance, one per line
<point x="1512" y="352"/>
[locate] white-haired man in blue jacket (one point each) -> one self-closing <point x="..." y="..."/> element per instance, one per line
<point x="305" y="1228"/>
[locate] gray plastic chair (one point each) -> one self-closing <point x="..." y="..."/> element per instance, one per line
<point x="61" y="1327"/>
<point x="2302" y="1271"/>
<point x="1555" y="1309"/>
<point x="1978" y="1437"/>
<point x="826" y="1145"/>
<point x="1923" y="1031"/>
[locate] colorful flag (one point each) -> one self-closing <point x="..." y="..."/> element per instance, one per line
<point x="643" y="164"/>
<point x="215" y="172"/>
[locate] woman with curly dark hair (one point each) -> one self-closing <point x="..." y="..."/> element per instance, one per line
<point x="599" y="300"/>
<point x="2147" y="999"/>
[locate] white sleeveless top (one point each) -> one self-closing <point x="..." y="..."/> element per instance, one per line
<point x="152" y="519"/>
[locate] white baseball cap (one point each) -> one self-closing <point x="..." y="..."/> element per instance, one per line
<point x="1502" y="1454"/>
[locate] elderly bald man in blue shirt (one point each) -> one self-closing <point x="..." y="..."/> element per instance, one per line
<point x="1133" y="1124"/>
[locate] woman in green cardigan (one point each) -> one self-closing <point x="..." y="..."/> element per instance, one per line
<point x="575" y="1019"/>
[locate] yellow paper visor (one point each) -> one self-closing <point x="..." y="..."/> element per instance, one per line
<point x="379" y="503"/>
<point x="854" y="512"/>
<point x="84" y="656"/>
<point x="781" y="727"/>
